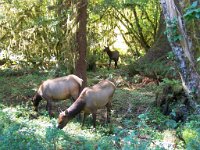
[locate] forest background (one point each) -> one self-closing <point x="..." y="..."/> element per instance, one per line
<point x="158" y="70"/>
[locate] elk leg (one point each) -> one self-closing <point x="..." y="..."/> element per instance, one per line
<point x="48" y="101"/>
<point x="116" y="64"/>
<point x="94" y="119"/>
<point x="36" y="109"/>
<point x="109" y="64"/>
<point x="108" y="106"/>
<point x="36" y="106"/>
<point x="49" y="108"/>
<point x="84" y="116"/>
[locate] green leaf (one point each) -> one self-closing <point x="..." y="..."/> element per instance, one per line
<point x="194" y="4"/>
<point x="198" y="59"/>
<point x="192" y="12"/>
<point x="171" y="124"/>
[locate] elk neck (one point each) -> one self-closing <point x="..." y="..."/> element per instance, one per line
<point x="109" y="53"/>
<point x="76" y="107"/>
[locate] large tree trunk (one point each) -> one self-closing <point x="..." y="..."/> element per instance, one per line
<point x="160" y="47"/>
<point x="156" y="54"/>
<point x="181" y="47"/>
<point x="81" y="64"/>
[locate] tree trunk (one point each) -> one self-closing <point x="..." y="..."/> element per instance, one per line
<point x="156" y="55"/>
<point x="81" y="66"/>
<point x="161" y="46"/>
<point x="181" y="47"/>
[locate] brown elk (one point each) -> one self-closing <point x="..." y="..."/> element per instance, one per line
<point x="57" y="89"/>
<point x="90" y="99"/>
<point x="113" y="55"/>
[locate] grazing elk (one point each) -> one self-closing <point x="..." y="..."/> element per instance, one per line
<point x="90" y="99"/>
<point x="113" y="55"/>
<point x="57" y="89"/>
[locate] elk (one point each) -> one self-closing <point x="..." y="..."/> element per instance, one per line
<point x="113" y="55"/>
<point x="53" y="90"/>
<point x="90" y="99"/>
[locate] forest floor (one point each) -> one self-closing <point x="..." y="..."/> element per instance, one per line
<point x="136" y="122"/>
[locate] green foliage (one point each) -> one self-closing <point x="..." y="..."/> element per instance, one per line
<point x="170" y="56"/>
<point x="198" y="59"/>
<point x="157" y="69"/>
<point x="127" y="139"/>
<point x="191" y="132"/>
<point x="171" y="124"/>
<point x="175" y="84"/>
<point x="42" y="33"/>
<point x="146" y="27"/>
<point x="143" y="119"/>
<point x="20" y="132"/>
<point x="135" y="122"/>
<point x="32" y="30"/>
<point x="171" y="82"/>
<point x="172" y="31"/>
<point x="192" y="12"/>
<point x="192" y="18"/>
<point x="108" y="19"/>
<point x="15" y="133"/>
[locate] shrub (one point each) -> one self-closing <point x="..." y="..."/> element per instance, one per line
<point x="191" y="132"/>
<point x="156" y="70"/>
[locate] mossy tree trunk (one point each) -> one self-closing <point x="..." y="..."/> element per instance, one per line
<point x="160" y="47"/>
<point x="157" y="54"/>
<point x="181" y="47"/>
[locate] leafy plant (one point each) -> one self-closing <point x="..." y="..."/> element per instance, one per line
<point x="192" y="12"/>
<point x="191" y="132"/>
<point x="172" y="82"/>
<point x="172" y="30"/>
<point x="171" y="124"/>
<point x="32" y="33"/>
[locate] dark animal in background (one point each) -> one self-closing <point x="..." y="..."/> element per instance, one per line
<point x="90" y="99"/>
<point x="113" y="55"/>
<point x="56" y="89"/>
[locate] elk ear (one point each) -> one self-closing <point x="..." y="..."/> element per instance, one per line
<point x="59" y="110"/>
<point x="66" y="112"/>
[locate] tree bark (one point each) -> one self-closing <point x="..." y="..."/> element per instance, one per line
<point x="161" y="46"/>
<point x="81" y="65"/>
<point x="181" y="47"/>
<point x="156" y="54"/>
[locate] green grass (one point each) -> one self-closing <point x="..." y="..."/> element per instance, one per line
<point x="136" y="123"/>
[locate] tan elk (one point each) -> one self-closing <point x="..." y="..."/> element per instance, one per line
<point x="56" y="89"/>
<point x="90" y="99"/>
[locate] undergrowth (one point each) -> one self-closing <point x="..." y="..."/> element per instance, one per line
<point x="19" y="131"/>
<point x="136" y="122"/>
